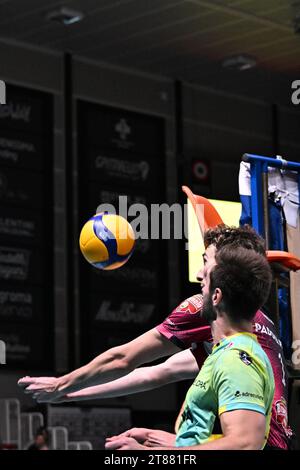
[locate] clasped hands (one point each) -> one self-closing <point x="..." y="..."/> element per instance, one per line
<point x="140" y="439"/>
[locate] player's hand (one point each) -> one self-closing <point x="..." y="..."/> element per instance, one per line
<point x="157" y="438"/>
<point x="43" y="389"/>
<point x="139" y="434"/>
<point x="35" y="385"/>
<point x="123" y="443"/>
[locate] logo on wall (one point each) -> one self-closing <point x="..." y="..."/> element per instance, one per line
<point x="11" y="226"/>
<point x="140" y="276"/>
<point x="16" y="304"/>
<point x="200" y="171"/>
<point x="123" y="130"/>
<point x="125" y="312"/>
<point x="15" y="112"/>
<point x="125" y="169"/>
<point x="16" y="347"/>
<point x="14" y="264"/>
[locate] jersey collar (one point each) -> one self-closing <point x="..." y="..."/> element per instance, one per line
<point x="224" y="342"/>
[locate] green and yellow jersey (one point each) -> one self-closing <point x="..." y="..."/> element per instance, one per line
<point x="236" y="376"/>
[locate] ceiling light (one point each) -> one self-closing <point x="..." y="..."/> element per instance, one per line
<point x="65" y="16"/>
<point x="240" y="62"/>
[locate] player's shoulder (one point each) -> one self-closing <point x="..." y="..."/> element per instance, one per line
<point x="192" y="305"/>
<point x="266" y="331"/>
<point x="247" y="352"/>
<point x="225" y="363"/>
<point x="262" y="319"/>
<point x="239" y="350"/>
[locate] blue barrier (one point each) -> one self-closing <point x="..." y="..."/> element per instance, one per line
<point x="259" y="169"/>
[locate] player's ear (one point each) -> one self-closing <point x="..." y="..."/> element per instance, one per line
<point x="217" y="296"/>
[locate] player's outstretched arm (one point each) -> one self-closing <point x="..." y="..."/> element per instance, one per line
<point x="108" y="366"/>
<point x="180" y="366"/>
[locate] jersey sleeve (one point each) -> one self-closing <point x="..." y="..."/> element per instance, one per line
<point x="237" y="383"/>
<point x="185" y="325"/>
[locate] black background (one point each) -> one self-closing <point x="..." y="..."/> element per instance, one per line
<point x="26" y="228"/>
<point x="118" y="305"/>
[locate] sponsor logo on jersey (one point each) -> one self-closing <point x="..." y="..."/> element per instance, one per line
<point x="266" y="331"/>
<point x="245" y="358"/>
<point x="192" y="305"/>
<point x="282" y="415"/>
<point x="184" y="305"/>
<point x="187" y="415"/>
<point x="239" y="394"/>
<point x="201" y="384"/>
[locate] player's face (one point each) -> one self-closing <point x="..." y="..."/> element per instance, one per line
<point x="208" y="257"/>
<point x="206" y="277"/>
<point x="203" y="276"/>
<point x="208" y="310"/>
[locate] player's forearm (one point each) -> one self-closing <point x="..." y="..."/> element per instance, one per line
<point x="224" y="443"/>
<point x="132" y="383"/>
<point x="160" y="438"/>
<point x="229" y="443"/>
<point x="139" y="380"/>
<point x="95" y="392"/>
<point x="107" y="367"/>
<point x="117" y="362"/>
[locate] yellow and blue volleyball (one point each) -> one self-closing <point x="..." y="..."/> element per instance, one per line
<point x="107" y="241"/>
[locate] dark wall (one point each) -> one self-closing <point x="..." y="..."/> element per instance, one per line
<point x="217" y="129"/>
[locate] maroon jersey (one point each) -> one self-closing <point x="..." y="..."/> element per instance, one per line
<point x="186" y="328"/>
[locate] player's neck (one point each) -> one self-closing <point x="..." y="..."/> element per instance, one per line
<point x="222" y="327"/>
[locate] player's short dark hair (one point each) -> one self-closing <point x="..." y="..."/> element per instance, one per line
<point x="244" y="278"/>
<point x="244" y="236"/>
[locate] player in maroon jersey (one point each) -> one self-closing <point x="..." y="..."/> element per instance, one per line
<point x="183" y="329"/>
